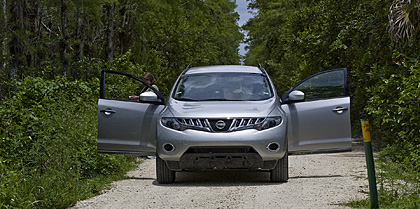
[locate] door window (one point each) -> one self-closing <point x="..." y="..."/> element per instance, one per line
<point x="120" y="86"/>
<point x="323" y="86"/>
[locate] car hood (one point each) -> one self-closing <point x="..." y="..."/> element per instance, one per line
<point x="221" y="109"/>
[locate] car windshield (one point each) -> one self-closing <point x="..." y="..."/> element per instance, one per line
<point x="223" y="87"/>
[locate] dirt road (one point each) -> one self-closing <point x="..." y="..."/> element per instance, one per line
<point x="316" y="181"/>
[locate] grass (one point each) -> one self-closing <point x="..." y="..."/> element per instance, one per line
<point x="398" y="186"/>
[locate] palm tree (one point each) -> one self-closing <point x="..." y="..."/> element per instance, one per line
<point x="404" y="20"/>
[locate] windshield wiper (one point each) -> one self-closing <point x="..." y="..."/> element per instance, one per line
<point x="214" y="100"/>
<point x="223" y="100"/>
<point x="206" y="100"/>
<point x="187" y="99"/>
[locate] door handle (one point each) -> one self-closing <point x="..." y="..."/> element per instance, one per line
<point x="108" y="111"/>
<point x="340" y="110"/>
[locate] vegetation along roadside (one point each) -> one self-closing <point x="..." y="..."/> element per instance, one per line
<point x="378" y="41"/>
<point x="51" y="54"/>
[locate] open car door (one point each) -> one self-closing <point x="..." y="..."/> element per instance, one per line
<point x="318" y="111"/>
<point x="126" y="126"/>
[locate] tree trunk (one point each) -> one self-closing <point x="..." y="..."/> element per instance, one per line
<point x="124" y="35"/>
<point x="80" y="33"/>
<point x="38" y="35"/>
<point x="110" y="33"/>
<point x="15" y="44"/>
<point x="64" y="36"/>
<point x="3" y="34"/>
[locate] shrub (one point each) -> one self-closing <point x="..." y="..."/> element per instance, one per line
<point x="395" y="108"/>
<point x="48" y="155"/>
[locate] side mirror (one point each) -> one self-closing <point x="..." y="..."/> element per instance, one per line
<point x="150" y="97"/>
<point x="296" y="96"/>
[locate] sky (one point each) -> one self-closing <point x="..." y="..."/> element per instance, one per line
<point x="244" y="16"/>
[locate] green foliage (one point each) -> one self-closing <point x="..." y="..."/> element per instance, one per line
<point x="48" y="155"/>
<point x="399" y="182"/>
<point x="169" y="35"/>
<point x="396" y="108"/>
<point x="294" y="39"/>
<point x="117" y="86"/>
<point x="72" y="38"/>
<point x="52" y="53"/>
<point x="404" y="17"/>
<point x="398" y="185"/>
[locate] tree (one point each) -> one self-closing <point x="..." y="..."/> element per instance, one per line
<point x="4" y="38"/>
<point x="170" y="35"/>
<point x="165" y="37"/>
<point x="404" y="20"/>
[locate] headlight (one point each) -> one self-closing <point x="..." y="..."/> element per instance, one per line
<point x="172" y="123"/>
<point x="269" y="122"/>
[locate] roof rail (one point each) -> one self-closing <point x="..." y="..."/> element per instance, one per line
<point x="186" y="69"/>
<point x="262" y="69"/>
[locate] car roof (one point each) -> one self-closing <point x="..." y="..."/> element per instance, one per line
<point x="224" y="69"/>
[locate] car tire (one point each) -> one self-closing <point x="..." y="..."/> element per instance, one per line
<point x="164" y="175"/>
<point x="280" y="173"/>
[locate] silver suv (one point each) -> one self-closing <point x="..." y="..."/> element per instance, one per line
<point x="226" y="117"/>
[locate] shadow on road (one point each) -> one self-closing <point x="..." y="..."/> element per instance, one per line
<point x="229" y="178"/>
<point x="315" y="177"/>
<point x="140" y="178"/>
<point x="220" y="178"/>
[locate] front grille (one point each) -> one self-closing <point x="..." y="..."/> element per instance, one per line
<point x="211" y="161"/>
<point x="239" y="124"/>
<point x="220" y="125"/>
<point x="194" y="122"/>
<point x="221" y="150"/>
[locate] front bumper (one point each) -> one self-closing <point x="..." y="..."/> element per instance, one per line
<point x="260" y="157"/>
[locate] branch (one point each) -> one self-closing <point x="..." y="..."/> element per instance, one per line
<point x="48" y="29"/>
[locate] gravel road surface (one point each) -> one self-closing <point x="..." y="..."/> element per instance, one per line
<point x="316" y="181"/>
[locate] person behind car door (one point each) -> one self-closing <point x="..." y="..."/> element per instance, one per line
<point x="148" y="77"/>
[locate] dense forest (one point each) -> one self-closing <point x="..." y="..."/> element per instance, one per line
<point x="70" y="38"/>
<point x="52" y="52"/>
<point x="379" y="43"/>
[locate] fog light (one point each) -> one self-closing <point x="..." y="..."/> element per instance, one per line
<point x="168" y="147"/>
<point x="273" y="147"/>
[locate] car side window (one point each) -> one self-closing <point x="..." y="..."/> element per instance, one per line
<point x="123" y="86"/>
<point x="120" y="87"/>
<point x="325" y="85"/>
